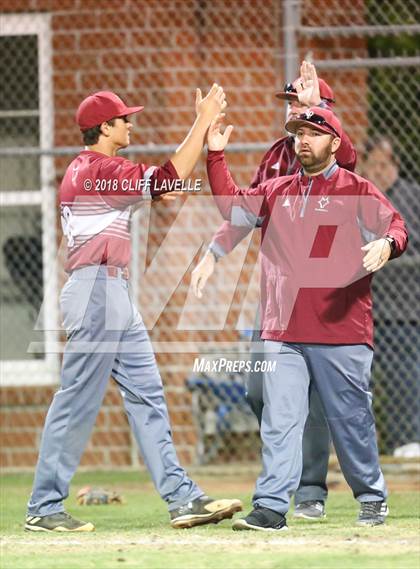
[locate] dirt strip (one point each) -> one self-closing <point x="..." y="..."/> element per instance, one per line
<point x="193" y="541"/>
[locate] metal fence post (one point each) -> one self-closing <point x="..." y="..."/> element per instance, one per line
<point x="291" y="20"/>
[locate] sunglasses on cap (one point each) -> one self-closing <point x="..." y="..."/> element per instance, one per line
<point x="288" y="88"/>
<point x="320" y="121"/>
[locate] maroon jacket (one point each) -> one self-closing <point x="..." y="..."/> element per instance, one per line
<point x="313" y="285"/>
<point x="279" y="160"/>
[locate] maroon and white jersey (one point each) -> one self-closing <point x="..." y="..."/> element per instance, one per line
<point x="96" y="197"/>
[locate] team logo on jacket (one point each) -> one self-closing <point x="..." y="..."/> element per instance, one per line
<point x="322" y="203"/>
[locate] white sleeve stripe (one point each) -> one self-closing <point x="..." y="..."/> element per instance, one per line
<point x="149" y="172"/>
<point x="147" y="175"/>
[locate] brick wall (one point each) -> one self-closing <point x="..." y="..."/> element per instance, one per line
<point x="22" y="418"/>
<point x="155" y="53"/>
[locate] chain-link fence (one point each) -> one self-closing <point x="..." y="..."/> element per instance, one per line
<point x="156" y="54"/>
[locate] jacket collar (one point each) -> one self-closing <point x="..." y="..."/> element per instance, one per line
<point x="326" y="175"/>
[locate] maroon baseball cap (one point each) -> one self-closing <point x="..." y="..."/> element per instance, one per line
<point x="317" y="118"/>
<point x="100" y="107"/>
<point x="290" y="94"/>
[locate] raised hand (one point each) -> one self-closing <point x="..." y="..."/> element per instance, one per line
<point x="212" y="104"/>
<point x="215" y="139"/>
<point x="307" y="86"/>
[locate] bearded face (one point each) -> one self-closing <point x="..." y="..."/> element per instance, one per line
<point x="314" y="148"/>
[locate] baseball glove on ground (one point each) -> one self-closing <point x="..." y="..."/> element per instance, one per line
<point x="92" y="496"/>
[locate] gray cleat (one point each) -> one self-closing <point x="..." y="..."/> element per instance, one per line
<point x="372" y="513"/>
<point x="261" y="519"/>
<point x="204" y="510"/>
<point x="310" y="510"/>
<point x="60" y="522"/>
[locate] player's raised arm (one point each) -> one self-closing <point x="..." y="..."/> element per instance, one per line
<point x="186" y="156"/>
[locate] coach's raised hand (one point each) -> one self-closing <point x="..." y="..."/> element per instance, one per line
<point x="216" y="140"/>
<point x="186" y="156"/>
<point x="307" y="86"/>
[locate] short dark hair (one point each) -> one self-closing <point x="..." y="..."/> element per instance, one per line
<point x="91" y="135"/>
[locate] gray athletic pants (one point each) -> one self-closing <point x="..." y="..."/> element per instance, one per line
<point x="106" y="336"/>
<point x="316" y="436"/>
<point x="341" y="375"/>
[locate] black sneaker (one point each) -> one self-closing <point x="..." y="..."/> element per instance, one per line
<point x="310" y="510"/>
<point x="204" y="510"/>
<point x="261" y="519"/>
<point x="372" y="513"/>
<point x="57" y="522"/>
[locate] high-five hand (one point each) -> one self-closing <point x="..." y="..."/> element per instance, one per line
<point x="207" y="109"/>
<point x="215" y="139"/>
<point x="212" y="104"/>
<point x="307" y="86"/>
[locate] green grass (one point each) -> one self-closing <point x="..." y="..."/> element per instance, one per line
<point x="137" y="533"/>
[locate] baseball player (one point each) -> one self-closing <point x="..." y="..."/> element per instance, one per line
<point x="281" y="160"/>
<point x="325" y="230"/>
<point x="106" y="334"/>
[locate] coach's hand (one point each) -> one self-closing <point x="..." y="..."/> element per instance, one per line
<point x="201" y="273"/>
<point x="378" y="253"/>
<point x="308" y="85"/>
<point x="212" y="104"/>
<point x="215" y="139"/>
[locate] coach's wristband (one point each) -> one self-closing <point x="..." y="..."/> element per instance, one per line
<point x="391" y="242"/>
